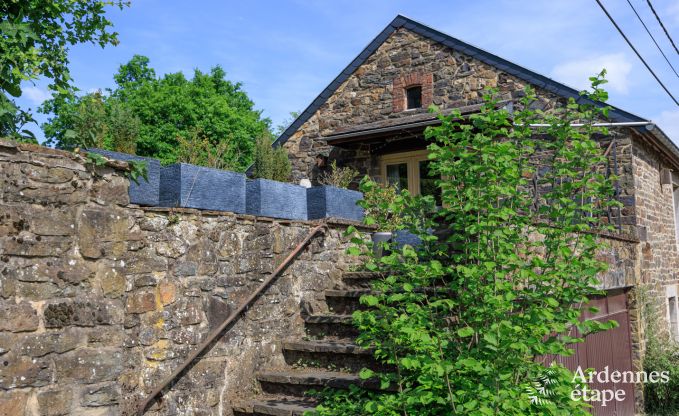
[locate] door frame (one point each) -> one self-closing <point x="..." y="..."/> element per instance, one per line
<point x="412" y="159"/>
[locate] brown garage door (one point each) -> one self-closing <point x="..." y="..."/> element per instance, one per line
<point x="612" y="348"/>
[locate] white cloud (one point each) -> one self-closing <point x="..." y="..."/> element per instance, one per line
<point x="577" y="72"/>
<point x="673" y="11"/>
<point x="36" y="95"/>
<point x="668" y="121"/>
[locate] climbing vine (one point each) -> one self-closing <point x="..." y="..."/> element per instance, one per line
<point x="137" y="168"/>
<point x="466" y="322"/>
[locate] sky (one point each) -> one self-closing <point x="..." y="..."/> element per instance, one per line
<point x="286" y="52"/>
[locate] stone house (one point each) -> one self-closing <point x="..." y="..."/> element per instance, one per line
<point x="372" y="117"/>
<point x="102" y="298"/>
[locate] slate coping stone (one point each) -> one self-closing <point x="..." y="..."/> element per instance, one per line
<point x="268" y="198"/>
<point x="189" y="186"/>
<point x="146" y="192"/>
<point x="332" y="202"/>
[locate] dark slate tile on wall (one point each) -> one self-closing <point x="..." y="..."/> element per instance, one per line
<point x="190" y="186"/>
<point x="145" y="192"/>
<point x="333" y="202"/>
<point x="269" y="198"/>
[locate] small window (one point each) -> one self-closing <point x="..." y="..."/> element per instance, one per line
<point x="674" y="322"/>
<point x="397" y="175"/>
<point x="673" y="311"/>
<point x="414" y="97"/>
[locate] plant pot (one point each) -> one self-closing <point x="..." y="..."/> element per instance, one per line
<point x="379" y="238"/>
<point x="269" y="198"/>
<point x="333" y="202"/>
<point x="147" y="191"/>
<point x="403" y="237"/>
<point x="190" y="186"/>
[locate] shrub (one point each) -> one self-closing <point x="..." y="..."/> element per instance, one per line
<point x="462" y="322"/>
<point x="123" y="128"/>
<point x="271" y="162"/>
<point x="662" y="354"/>
<point x="383" y="205"/>
<point x="198" y="149"/>
<point x="662" y="398"/>
<point x="339" y="177"/>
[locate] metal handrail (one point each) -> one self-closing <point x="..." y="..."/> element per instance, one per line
<point x="141" y="408"/>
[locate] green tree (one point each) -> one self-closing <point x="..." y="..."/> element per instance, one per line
<point x="171" y="108"/>
<point x="464" y="324"/>
<point x="134" y="73"/>
<point x="13" y="121"/>
<point x="35" y="36"/>
<point x="279" y="129"/>
<point x="123" y="128"/>
<point x="92" y="120"/>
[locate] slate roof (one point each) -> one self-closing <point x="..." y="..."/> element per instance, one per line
<point x="538" y="80"/>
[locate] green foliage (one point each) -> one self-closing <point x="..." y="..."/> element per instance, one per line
<point x="662" y="354"/>
<point x="95" y="159"/>
<point x="170" y="110"/>
<point x="13" y="121"/>
<point x="271" y="162"/>
<point x="135" y="73"/>
<point x="123" y="128"/>
<point x="197" y="149"/>
<point x="35" y="37"/>
<point x="92" y="120"/>
<point x="89" y="122"/>
<point x="662" y="398"/>
<point x="339" y="177"/>
<point x="465" y="321"/>
<point x="137" y="168"/>
<point x="383" y="205"/>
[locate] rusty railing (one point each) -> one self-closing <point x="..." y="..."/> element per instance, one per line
<point x="143" y="404"/>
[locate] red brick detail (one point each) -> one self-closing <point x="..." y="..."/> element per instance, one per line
<point x="401" y="84"/>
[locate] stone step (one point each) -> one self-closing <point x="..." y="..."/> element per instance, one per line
<point x="345" y="301"/>
<point x="275" y="406"/>
<point x="297" y="383"/>
<point x="332" y="325"/>
<point x="335" y="347"/>
<point x="329" y="354"/>
<point x="359" y="279"/>
<point x="347" y="293"/>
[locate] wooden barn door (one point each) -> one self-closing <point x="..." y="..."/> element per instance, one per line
<point x="612" y="348"/>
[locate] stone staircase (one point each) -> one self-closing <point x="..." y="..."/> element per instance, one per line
<point x="326" y="357"/>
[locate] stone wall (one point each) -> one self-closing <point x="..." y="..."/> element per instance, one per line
<point x="374" y="92"/>
<point x="655" y="219"/>
<point x="100" y="299"/>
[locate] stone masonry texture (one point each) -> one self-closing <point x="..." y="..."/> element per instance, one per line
<point x="100" y="299"/>
<point x="375" y="92"/>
